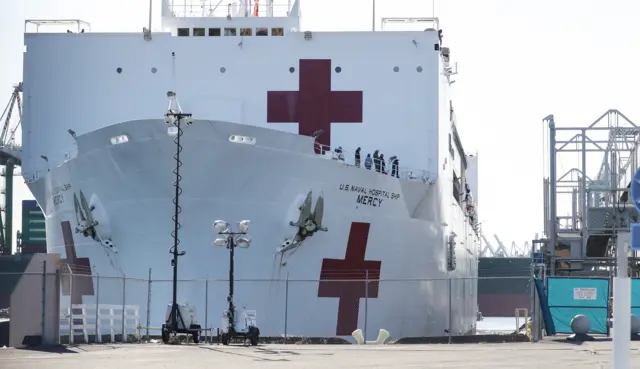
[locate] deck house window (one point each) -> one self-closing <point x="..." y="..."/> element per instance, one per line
<point x="214" y="31"/>
<point x="246" y="31"/>
<point x="229" y="31"/>
<point x="261" y="31"/>
<point x="198" y="31"/>
<point x="277" y="31"/>
<point x="183" y="32"/>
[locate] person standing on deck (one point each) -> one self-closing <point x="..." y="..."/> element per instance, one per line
<point x="368" y="162"/>
<point x="358" y="157"/>
<point x="376" y="161"/>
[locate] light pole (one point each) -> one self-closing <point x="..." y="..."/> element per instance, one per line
<point x="174" y="118"/>
<point x="231" y="240"/>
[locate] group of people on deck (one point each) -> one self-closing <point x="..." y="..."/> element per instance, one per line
<point x="376" y="161"/>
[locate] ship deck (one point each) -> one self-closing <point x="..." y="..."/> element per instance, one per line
<point x="545" y="354"/>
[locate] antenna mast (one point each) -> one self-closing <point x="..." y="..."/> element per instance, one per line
<point x="147" y="31"/>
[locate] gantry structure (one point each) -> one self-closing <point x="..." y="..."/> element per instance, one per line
<point x="9" y="159"/>
<point x="587" y="206"/>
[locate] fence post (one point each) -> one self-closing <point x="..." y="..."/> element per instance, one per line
<point x="206" y="309"/>
<point x="148" y="304"/>
<point x="366" y="303"/>
<point x="70" y="305"/>
<point x="124" y="294"/>
<point x="44" y="300"/>
<point x="450" y="308"/>
<point x="58" y="292"/>
<point x="533" y="308"/>
<point x="98" y="336"/>
<point x="286" y="306"/>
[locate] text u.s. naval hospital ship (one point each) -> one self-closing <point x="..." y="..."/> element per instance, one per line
<point x="277" y="117"/>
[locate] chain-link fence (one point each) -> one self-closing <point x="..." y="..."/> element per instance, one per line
<point x="121" y="309"/>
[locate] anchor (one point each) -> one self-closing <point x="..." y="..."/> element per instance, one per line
<point x="308" y="223"/>
<point x="87" y="224"/>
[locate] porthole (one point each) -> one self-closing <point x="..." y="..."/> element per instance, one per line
<point x="242" y="139"/>
<point x="120" y="139"/>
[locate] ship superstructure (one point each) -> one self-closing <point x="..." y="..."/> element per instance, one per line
<point x="278" y="116"/>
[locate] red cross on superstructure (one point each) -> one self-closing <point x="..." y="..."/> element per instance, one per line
<point x="82" y="282"/>
<point x="346" y="279"/>
<point x="314" y="107"/>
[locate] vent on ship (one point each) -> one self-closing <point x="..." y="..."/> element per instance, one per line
<point x="451" y="252"/>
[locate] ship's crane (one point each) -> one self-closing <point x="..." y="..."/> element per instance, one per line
<point x="9" y="157"/>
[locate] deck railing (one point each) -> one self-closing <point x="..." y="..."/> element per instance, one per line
<point x="348" y="158"/>
<point x="233" y="8"/>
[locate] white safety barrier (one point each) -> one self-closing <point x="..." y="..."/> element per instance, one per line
<point x="524" y="315"/>
<point x="86" y="319"/>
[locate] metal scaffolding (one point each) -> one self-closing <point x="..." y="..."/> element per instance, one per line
<point x="594" y="199"/>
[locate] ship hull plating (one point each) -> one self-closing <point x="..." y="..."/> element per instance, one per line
<point x="397" y="225"/>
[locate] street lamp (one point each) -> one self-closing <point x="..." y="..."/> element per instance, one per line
<point x="231" y="240"/>
<point x="174" y="117"/>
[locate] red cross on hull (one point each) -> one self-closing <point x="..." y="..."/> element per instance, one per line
<point x="346" y="279"/>
<point x="82" y="282"/>
<point x="314" y="107"/>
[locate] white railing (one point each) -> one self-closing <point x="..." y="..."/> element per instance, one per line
<point x="106" y="319"/>
<point x="56" y="26"/>
<point x="348" y="158"/>
<point x="233" y="8"/>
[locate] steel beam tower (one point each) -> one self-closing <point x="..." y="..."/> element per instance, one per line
<point x="613" y="136"/>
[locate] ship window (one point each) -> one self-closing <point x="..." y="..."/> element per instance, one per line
<point x="246" y="31"/>
<point x="278" y="31"/>
<point x="198" y="31"/>
<point x="183" y="31"/>
<point x="456" y="189"/>
<point x="229" y="31"/>
<point x="115" y="140"/>
<point x="242" y="139"/>
<point x="214" y="31"/>
<point x="262" y="31"/>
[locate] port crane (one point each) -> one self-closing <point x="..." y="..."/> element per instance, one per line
<point x="502" y="252"/>
<point x="9" y="158"/>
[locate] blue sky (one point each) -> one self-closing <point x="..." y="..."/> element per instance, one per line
<point x="519" y="60"/>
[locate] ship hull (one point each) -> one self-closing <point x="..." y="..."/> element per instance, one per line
<point x="504" y="285"/>
<point x="131" y="184"/>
